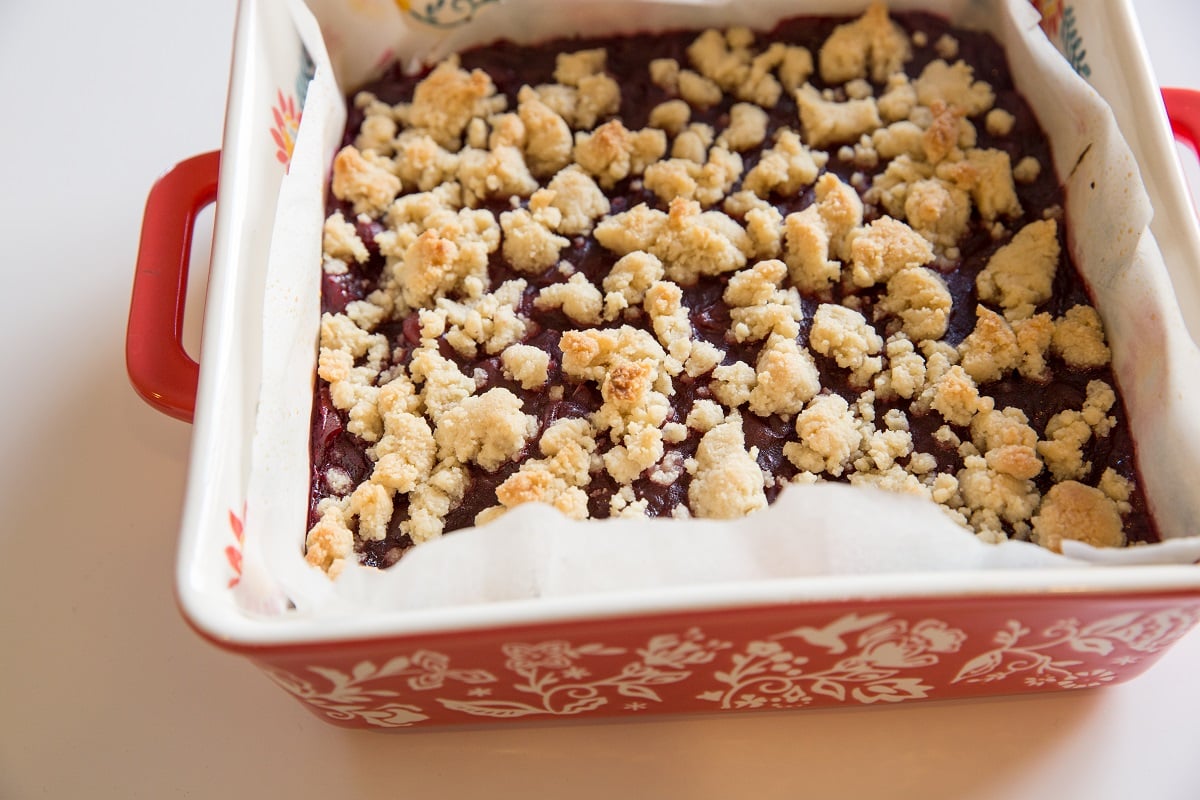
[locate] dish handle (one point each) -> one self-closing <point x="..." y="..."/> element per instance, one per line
<point x="1183" y="110"/>
<point x="161" y="371"/>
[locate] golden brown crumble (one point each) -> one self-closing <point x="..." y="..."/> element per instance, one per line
<point x="1073" y="510"/>
<point x="726" y="481"/>
<point x="363" y="180"/>
<point x="1079" y="338"/>
<point x="921" y="299"/>
<point x="827" y="122"/>
<point x="1020" y="275"/>
<point x="844" y="335"/>
<point x="872" y="46"/>
<point x="456" y="178"/>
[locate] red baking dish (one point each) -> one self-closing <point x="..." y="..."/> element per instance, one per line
<point x="783" y="643"/>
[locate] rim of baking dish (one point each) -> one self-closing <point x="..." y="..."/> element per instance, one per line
<point x="227" y="388"/>
<point x="225" y="624"/>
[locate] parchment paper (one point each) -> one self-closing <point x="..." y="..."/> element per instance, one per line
<point x="812" y="530"/>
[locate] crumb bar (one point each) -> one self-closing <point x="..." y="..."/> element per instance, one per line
<point x="670" y="275"/>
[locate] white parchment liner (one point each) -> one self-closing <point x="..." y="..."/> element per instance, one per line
<point x="813" y="530"/>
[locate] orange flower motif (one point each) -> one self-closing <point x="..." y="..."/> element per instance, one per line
<point x="1052" y="13"/>
<point x="234" y="554"/>
<point x="287" y="122"/>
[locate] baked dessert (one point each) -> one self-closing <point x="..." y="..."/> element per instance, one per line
<point x="672" y="274"/>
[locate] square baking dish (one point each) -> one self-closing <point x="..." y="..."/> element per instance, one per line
<point x="782" y="643"/>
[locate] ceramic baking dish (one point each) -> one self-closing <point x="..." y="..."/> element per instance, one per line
<point x="785" y="643"/>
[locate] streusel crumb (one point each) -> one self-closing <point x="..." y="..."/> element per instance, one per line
<point x="828" y="435"/>
<point x="1072" y="510"/>
<point x="827" y="122"/>
<point x="449" y="98"/>
<point x="922" y="301"/>
<point x="1079" y="338"/>
<point x="366" y="183"/>
<point x="1020" y="275"/>
<point x="844" y="335"/>
<point x="872" y="46"/>
<point x="727" y="482"/>
<point x="527" y="365"/>
<point x="674" y="276"/>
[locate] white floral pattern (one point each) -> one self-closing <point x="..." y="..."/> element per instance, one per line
<point x="1054" y="659"/>
<point x="347" y="698"/>
<point x="872" y="673"/>
<point x="873" y="658"/>
<point x="550" y="672"/>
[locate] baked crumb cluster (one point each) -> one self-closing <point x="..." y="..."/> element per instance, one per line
<point x="679" y="310"/>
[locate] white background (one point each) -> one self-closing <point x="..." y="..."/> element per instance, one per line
<point x="105" y="692"/>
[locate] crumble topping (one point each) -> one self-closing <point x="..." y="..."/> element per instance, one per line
<point x="955" y="86"/>
<point x="578" y="199"/>
<point x="727" y="61"/>
<point x="844" y="334"/>
<point x="448" y="99"/>
<point x="365" y="181"/>
<point x="921" y="300"/>
<point x="759" y="307"/>
<point x="872" y="45"/>
<point x="785" y="378"/>
<point x="999" y="122"/>
<point x="726" y="479"/>
<point x="1027" y="170"/>
<point x="1073" y="510"/>
<point x="529" y="245"/>
<point x="578" y="298"/>
<point x="1079" y="338"/>
<point x="527" y="365"/>
<point x="670" y="115"/>
<point x="682" y="177"/>
<point x="611" y="152"/>
<point x="547" y="141"/>
<point x="827" y="122"/>
<point x="938" y="210"/>
<point x="815" y="238"/>
<point x="785" y="168"/>
<point x="828" y="435"/>
<point x="956" y="397"/>
<point x="796" y="269"/>
<point x="340" y="240"/>
<point x="571" y="68"/>
<point x="690" y="243"/>
<point x="991" y="350"/>
<point x="883" y="248"/>
<point x="747" y="128"/>
<point x="664" y="73"/>
<point x="1020" y="275"/>
<point x="697" y="90"/>
<point x="486" y="429"/>
<point x="1068" y="431"/>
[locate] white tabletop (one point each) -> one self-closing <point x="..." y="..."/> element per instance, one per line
<point x="106" y="693"/>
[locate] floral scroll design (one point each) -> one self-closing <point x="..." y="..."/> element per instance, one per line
<point x="855" y="658"/>
<point x="348" y="696"/>
<point x="442" y="13"/>
<point x="871" y="668"/>
<point x="1072" y="43"/>
<point x="551" y="672"/>
<point x="1050" y="660"/>
<point x="1059" y="21"/>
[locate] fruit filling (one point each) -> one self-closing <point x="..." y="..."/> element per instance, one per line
<point x="672" y="275"/>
